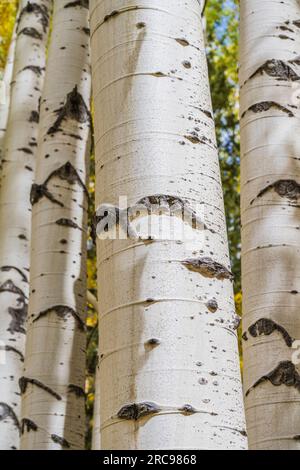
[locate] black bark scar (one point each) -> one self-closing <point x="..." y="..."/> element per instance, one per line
<point x="74" y="109"/>
<point x="65" y="173"/>
<point x="61" y="441"/>
<point x="284" y="188"/>
<point x="208" y="268"/>
<point x="27" y="425"/>
<point x="37" y="10"/>
<point x="24" y="381"/>
<point x="78" y="391"/>
<point x="135" y="411"/>
<point x="78" y="3"/>
<point x="266" y="326"/>
<point x="277" y="69"/>
<point x="6" y="412"/>
<point x="18" y="314"/>
<point x="6" y="269"/>
<point x="266" y="106"/>
<point x="284" y="374"/>
<point x="61" y="311"/>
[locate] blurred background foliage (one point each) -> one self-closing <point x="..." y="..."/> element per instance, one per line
<point x="221" y="24"/>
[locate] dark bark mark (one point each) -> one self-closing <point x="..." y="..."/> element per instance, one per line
<point x="67" y="223"/>
<point x="78" y="391"/>
<point x="34" y="117"/>
<point x="284" y="188"/>
<point x="6" y="269"/>
<point x="78" y="3"/>
<point x="212" y="305"/>
<point x="141" y="25"/>
<point x="207" y="113"/>
<point x="61" y="441"/>
<point x="16" y="351"/>
<point x="135" y="411"/>
<point x="32" y="32"/>
<point x="183" y="42"/>
<point x="61" y="311"/>
<point x="66" y="173"/>
<point x="208" y="268"/>
<point x="35" y="69"/>
<point x="27" y="426"/>
<point x="26" y="150"/>
<point x="194" y="138"/>
<point x="187" y="410"/>
<point x="284" y="374"/>
<point x="86" y="31"/>
<point x="6" y="412"/>
<point x="24" y="381"/>
<point x="277" y="69"/>
<point x="265" y="326"/>
<point x="18" y="314"/>
<point x="38" y="10"/>
<point x="74" y="109"/>
<point x="266" y="106"/>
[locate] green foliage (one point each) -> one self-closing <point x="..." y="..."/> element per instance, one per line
<point x="7" y="14"/>
<point x="222" y="50"/>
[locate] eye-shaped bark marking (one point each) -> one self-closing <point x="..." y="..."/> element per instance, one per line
<point x="74" y="109"/>
<point x="266" y="106"/>
<point x="66" y="173"/>
<point x="35" y="69"/>
<point x="266" y="326"/>
<point x="24" y="381"/>
<point x="6" y="412"/>
<point x="67" y="223"/>
<point x="284" y="188"/>
<point x="32" y="32"/>
<point x="194" y="138"/>
<point x="61" y="441"/>
<point x="208" y="268"/>
<point x="136" y="411"/>
<point x="187" y="410"/>
<point x="212" y="305"/>
<point x="62" y="311"/>
<point x="277" y="69"/>
<point x="27" y="426"/>
<point x="284" y="374"/>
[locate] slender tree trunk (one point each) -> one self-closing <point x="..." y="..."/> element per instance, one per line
<point x="15" y="210"/>
<point x="269" y="78"/>
<point x="169" y="372"/>
<point x="6" y="87"/>
<point x="54" y="378"/>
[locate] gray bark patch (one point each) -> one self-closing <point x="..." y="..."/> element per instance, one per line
<point x="135" y="411"/>
<point x="208" y="268"/>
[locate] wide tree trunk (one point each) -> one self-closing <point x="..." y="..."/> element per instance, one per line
<point x="269" y="78"/>
<point x="169" y="370"/>
<point x="15" y="211"/>
<point x="54" y="379"/>
<point x="5" y="87"/>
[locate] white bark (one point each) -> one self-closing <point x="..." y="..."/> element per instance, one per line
<point x="54" y="378"/>
<point x="269" y="77"/>
<point x="15" y="211"/>
<point x="5" y="88"/>
<point x="169" y="371"/>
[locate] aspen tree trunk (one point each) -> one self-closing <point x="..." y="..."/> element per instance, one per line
<point x="169" y="372"/>
<point x="15" y="210"/>
<point x="53" y="404"/>
<point x="5" y="85"/>
<point x="269" y="78"/>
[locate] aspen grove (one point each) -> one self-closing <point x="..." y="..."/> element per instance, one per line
<point x="123" y="277"/>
